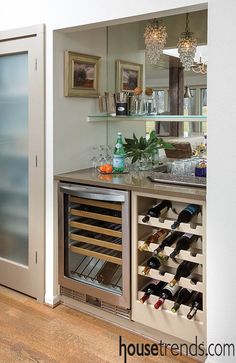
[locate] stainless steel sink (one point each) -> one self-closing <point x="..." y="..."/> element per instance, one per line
<point x="160" y="175"/>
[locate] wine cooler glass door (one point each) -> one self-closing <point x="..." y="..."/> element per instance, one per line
<point x="95" y="244"/>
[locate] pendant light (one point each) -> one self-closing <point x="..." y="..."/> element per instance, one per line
<point x="155" y="39"/>
<point x="187" y="47"/>
<point x="187" y="92"/>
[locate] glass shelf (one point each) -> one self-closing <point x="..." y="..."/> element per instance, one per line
<point x="165" y="118"/>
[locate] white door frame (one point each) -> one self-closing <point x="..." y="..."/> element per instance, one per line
<point x="36" y="155"/>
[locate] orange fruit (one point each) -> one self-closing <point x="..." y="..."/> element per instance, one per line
<point x="108" y="168"/>
<point x="138" y="91"/>
<point x="105" y="168"/>
<point x="102" y="168"/>
<point x="148" y="91"/>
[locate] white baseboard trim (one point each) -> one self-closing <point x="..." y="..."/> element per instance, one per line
<point x="52" y="301"/>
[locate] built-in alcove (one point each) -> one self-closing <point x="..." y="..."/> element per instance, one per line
<point x="111" y="42"/>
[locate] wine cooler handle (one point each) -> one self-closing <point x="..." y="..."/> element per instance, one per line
<point x="92" y="193"/>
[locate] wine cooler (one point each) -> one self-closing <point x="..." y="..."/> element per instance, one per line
<point x="94" y="246"/>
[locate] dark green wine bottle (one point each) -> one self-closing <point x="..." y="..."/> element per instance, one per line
<point x="183" y="270"/>
<point x="186" y="215"/>
<point x="184" y="295"/>
<point x="184" y="244"/>
<point x="195" y="306"/>
<point x="167" y="242"/>
<point x="157" y="210"/>
<point x="152" y="289"/>
<point x="153" y="262"/>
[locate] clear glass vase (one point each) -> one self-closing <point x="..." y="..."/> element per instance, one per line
<point x="138" y="106"/>
<point x="145" y="162"/>
<point x="151" y="105"/>
<point x="155" y="159"/>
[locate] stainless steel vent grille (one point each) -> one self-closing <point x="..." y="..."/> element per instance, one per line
<point x="73" y="294"/>
<point x="113" y="309"/>
<point x="117" y="310"/>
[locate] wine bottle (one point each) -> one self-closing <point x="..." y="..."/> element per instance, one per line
<point x="157" y="210"/>
<point x="184" y="295"/>
<point x="160" y="234"/>
<point x="186" y="215"/>
<point x="152" y="289"/>
<point x="167" y="293"/>
<point x="167" y="242"/>
<point x="106" y="273"/>
<point x="153" y="262"/>
<point x="195" y="306"/>
<point x="183" y="243"/>
<point x="183" y="270"/>
<point x="114" y="226"/>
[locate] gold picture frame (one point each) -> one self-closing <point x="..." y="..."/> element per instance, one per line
<point x="128" y="76"/>
<point x="81" y="75"/>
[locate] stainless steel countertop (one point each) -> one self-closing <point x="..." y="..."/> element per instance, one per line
<point x="136" y="181"/>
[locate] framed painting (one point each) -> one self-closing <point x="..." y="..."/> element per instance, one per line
<point x="128" y="76"/>
<point x="81" y="75"/>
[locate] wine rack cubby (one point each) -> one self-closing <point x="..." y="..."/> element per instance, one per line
<point x="163" y="319"/>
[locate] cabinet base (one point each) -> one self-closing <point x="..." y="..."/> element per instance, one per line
<point x="132" y="326"/>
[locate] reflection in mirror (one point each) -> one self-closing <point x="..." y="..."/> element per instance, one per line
<point x="167" y="78"/>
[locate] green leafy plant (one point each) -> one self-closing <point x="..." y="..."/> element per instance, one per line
<point x="138" y="148"/>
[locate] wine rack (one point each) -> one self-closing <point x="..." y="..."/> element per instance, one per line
<point x="163" y="319"/>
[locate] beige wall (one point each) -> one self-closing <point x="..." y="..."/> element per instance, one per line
<point x="73" y="135"/>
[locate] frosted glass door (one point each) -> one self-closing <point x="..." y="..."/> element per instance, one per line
<point x="14" y="157"/>
<point x="22" y="178"/>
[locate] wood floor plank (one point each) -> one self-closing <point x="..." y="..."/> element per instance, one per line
<point x="32" y="332"/>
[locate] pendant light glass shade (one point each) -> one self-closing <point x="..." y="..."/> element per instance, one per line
<point x="187" y="92"/>
<point x="155" y="39"/>
<point x="187" y="47"/>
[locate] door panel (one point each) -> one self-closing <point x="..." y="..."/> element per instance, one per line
<point x="14" y="158"/>
<point x="22" y="165"/>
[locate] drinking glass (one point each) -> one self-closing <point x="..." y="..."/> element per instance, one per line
<point x="155" y="159"/>
<point x="128" y="163"/>
<point x="151" y="106"/>
<point x="194" y="163"/>
<point x="138" y="106"/>
<point x="187" y="167"/>
<point x="109" y="151"/>
<point x="102" y="157"/>
<point x="94" y="158"/>
<point x="177" y="167"/>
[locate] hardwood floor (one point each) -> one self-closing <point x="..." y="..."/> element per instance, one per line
<point x="32" y="332"/>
